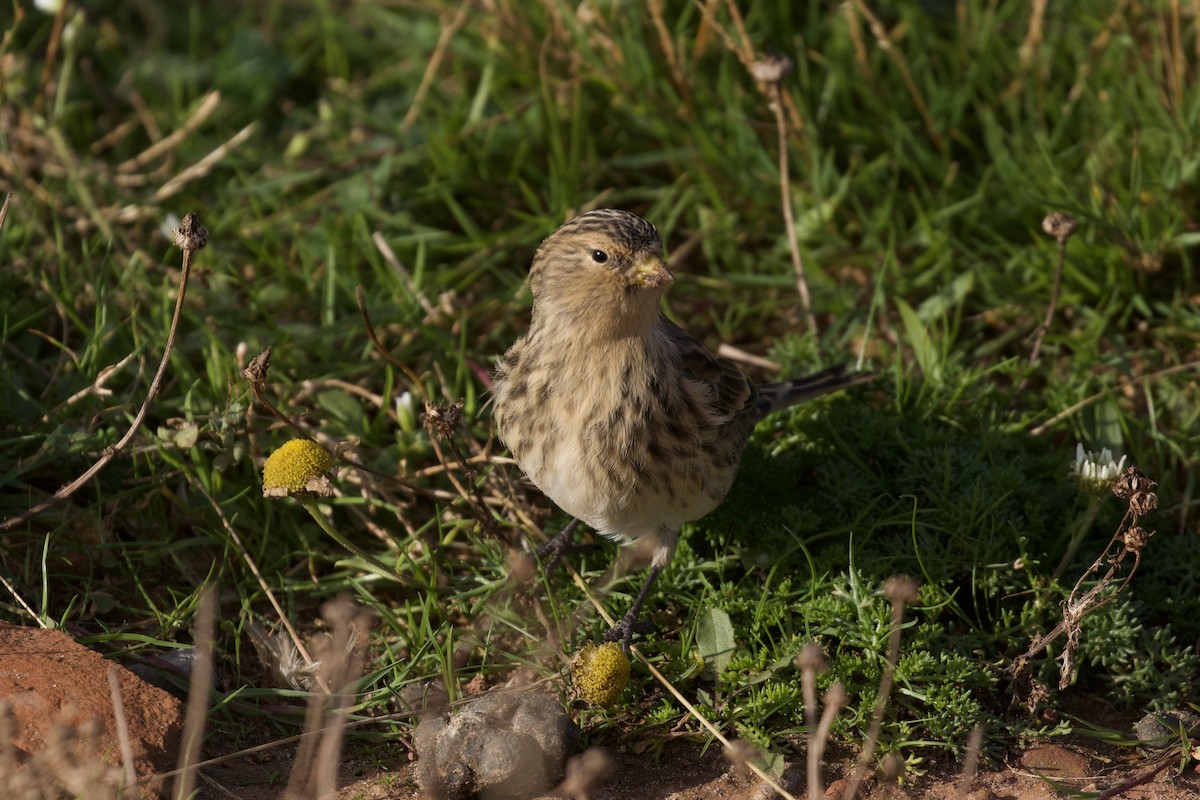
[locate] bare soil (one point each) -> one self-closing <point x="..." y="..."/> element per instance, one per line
<point x="45" y="675"/>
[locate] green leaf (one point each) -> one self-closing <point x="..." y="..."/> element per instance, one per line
<point x="714" y="637"/>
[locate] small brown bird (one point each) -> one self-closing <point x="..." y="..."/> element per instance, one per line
<point x="621" y="418"/>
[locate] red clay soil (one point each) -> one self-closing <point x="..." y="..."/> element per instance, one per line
<point x="55" y="687"/>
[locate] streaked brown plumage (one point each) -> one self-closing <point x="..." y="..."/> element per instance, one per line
<point x="624" y="420"/>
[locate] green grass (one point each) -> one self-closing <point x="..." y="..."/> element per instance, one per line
<point x="922" y="242"/>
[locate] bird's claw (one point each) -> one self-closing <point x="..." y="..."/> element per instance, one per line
<point x="627" y="628"/>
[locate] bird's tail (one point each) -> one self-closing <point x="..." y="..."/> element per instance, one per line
<point x="774" y="396"/>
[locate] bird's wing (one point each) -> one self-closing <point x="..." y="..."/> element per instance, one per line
<point x="721" y="389"/>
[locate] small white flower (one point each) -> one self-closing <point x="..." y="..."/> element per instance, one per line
<point x="406" y="411"/>
<point x="48" y="6"/>
<point x="1093" y="472"/>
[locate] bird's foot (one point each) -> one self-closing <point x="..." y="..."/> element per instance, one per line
<point x="627" y="628"/>
<point x="551" y="552"/>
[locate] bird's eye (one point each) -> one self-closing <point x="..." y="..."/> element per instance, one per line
<point x="599" y="256"/>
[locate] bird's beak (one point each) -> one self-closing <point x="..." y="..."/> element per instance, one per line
<point x="651" y="273"/>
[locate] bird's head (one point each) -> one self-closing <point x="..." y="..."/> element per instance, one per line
<point x="604" y="265"/>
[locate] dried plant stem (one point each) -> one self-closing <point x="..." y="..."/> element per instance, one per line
<point x="378" y="344"/>
<point x="1036" y="352"/>
<point x="262" y="583"/>
<point x="56" y="31"/>
<point x="194" y="236"/>
<point x="1095" y="50"/>
<point x="122" y="725"/>
<point x="389" y="255"/>
<point x="198" y="691"/>
<point x="971" y="762"/>
<point x="21" y="600"/>
<point x="203" y="166"/>
<point x="835" y="698"/>
<point x="315" y="767"/>
<point x="901" y="590"/>
<point x="1130" y="783"/>
<point x="789" y="220"/>
<point x="449" y="28"/>
<point x="1129" y="539"/>
<point x="668" y="48"/>
<point x="1035" y="32"/>
<point x="1176" y="67"/>
<point x="1061" y="226"/>
<point x="8" y="196"/>
<point x="1087" y="401"/>
<point x="207" y="106"/>
<point x="885" y="42"/>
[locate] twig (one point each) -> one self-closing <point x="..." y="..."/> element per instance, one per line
<point x="60" y="20"/>
<point x="199" y="688"/>
<point x="389" y="255"/>
<point x="811" y="661"/>
<point x="190" y="236"/>
<point x="262" y="583"/>
<point x="789" y="220"/>
<point x="885" y="43"/>
<point x="435" y="62"/>
<point x="971" y="761"/>
<point x="379" y="348"/>
<point x="737" y="354"/>
<point x="1136" y="780"/>
<point x="1034" y="34"/>
<point x="1095" y="51"/>
<point x="122" y="725"/>
<point x="834" y="698"/>
<point x="1060" y="225"/>
<point x="8" y="196"/>
<point x="902" y="591"/>
<point x="203" y="166"/>
<point x="1087" y="401"/>
<point x="33" y="614"/>
<point x="207" y="106"/>
<point x="668" y="48"/>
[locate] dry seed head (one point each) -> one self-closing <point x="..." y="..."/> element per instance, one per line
<point x="1136" y="538"/>
<point x="601" y="673"/>
<point x="1132" y="481"/>
<point x="1142" y="503"/>
<point x="812" y="657"/>
<point x="835" y="696"/>
<point x="901" y="589"/>
<point x="259" y="367"/>
<point x="444" y="421"/>
<point x="1060" y="225"/>
<point x="772" y="68"/>
<point x="191" y="235"/>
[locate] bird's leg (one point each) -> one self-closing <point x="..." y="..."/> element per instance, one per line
<point x="552" y="551"/>
<point x="624" y="630"/>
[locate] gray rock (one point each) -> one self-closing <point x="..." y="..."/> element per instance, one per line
<point x="1161" y="728"/>
<point x="500" y="746"/>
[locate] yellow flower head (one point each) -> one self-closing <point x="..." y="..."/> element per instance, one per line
<point x="299" y="465"/>
<point x="601" y="673"/>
